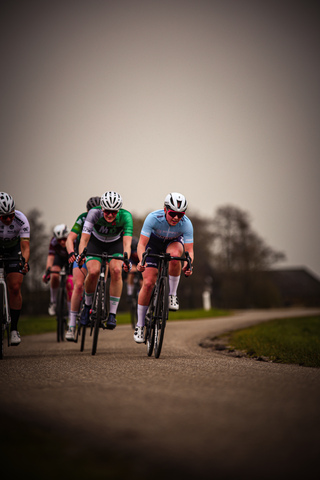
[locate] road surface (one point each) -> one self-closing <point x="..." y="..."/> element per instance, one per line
<point x="192" y="413"/>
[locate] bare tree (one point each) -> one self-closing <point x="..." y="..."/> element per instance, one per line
<point x="236" y="247"/>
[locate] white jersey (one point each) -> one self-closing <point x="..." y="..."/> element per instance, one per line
<point x="19" y="228"/>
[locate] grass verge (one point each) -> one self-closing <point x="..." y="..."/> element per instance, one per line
<point x="33" y="325"/>
<point x="291" y="341"/>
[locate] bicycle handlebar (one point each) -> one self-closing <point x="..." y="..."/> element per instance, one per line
<point x="19" y="257"/>
<point x="166" y="256"/>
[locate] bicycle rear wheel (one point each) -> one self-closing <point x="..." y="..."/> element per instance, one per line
<point x="161" y="314"/>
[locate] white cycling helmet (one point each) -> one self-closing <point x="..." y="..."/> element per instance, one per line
<point x="176" y="201"/>
<point x="111" y="201"/>
<point x="61" y="231"/>
<point x="7" y="204"/>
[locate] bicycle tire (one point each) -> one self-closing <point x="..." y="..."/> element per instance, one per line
<point x="61" y="300"/>
<point x="78" y="324"/>
<point x="99" y="308"/>
<point x="83" y="330"/>
<point x="2" y="320"/>
<point x="161" y="313"/>
<point x="150" y="322"/>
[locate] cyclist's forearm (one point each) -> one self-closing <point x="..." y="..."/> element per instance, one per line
<point x="70" y="242"/>
<point x="85" y="237"/>
<point x="127" y="245"/>
<point x="141" y="248"/>
<point x="25" y="249"/>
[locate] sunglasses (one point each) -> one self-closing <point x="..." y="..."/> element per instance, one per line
<point x="6" y="217"/>
<point x="173" y="214"/>
<point x="110" y="212"/>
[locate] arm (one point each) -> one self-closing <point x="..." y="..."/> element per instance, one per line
<point x="85" y="237"/>
<point x="70" y="245"/>
<point x="127" y="248"/>
<point x="25" y="251"/>
<point x="188" y="247"/>
<point x="142" y="245"/>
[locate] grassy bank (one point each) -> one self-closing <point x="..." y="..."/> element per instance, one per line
<point x="29" y="325"/>
<point x="293" y="341"/>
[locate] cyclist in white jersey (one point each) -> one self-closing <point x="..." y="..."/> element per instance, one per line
<point x="14" y="237"/>
<point x="168" y="230"/>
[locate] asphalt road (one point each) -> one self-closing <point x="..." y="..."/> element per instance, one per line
<point x="192" y="413"/>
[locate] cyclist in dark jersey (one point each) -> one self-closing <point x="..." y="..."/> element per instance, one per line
<point x="79" y="274"/>
<point x="107" y="228"/>
<point x="14" y="237"/>
<point x="57" y="258"/>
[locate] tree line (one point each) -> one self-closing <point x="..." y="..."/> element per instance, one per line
<point x="230" y="261"/>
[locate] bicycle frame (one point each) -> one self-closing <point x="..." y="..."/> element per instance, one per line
<point x="4" y="302"/>
<point x="157" y="314"/>
<point x="61" y="312"/>
<point x="99" y="309"/>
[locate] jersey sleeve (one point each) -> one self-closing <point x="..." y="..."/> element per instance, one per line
<point x="78" y="225"/>
<point x="93" y="216"/>
<point x="147" y="226"/>
<point x="127" y="223"/>
<point x="188" y="234"/>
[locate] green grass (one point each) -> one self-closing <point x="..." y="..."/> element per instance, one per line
<point x="32" y="325"/>
<point x="292" y="341"/>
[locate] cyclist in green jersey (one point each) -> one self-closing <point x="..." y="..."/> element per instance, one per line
<point x="106" y="229"/>
<point x="79" y="274"/>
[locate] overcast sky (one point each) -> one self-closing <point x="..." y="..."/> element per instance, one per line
<point x="218" y="100"/>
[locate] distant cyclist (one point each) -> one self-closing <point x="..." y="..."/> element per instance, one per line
<point x="168" y="230"/>
<point x="56" y="259"/>
<point x="79" y="275"/>
<point x="106" y="229"/>
<point x="14" y="237"/>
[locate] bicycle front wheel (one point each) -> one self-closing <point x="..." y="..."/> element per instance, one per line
<point x="161" y="314"/>
<point x="149" y="327"/>
<point x="99" y="309"/>
<point x="61" y="311"/>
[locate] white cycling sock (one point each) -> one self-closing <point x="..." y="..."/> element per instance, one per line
<point x="72" y="318"/>
<point x="114" y="303"/>
<point x="142" y="310"/>
<point x="88" y="299"/>
<point x="173" y="284"/>
<point x="53" y="294"/>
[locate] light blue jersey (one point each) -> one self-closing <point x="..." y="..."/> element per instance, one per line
<point x="156" y="224"/>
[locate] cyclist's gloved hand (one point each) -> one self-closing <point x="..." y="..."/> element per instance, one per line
<point x="26" y="268"/>
<point x="141" y="268"/>
<point x="187" y="270"/>
<point x="46" y="277"/>
<point x="127" y="268"/>
<point x="80" y="260"/>
<point x="71" y="257"/>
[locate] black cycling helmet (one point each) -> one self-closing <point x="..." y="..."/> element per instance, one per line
<point x="93" y="202"/>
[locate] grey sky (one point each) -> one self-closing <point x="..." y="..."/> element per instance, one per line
<point x="216" y="100"/>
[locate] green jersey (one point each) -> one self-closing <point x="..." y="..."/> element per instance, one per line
<point x="96" y="225"/>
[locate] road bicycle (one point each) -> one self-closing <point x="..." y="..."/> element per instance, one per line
<point x="62" y="304"/>
<point x="99" y="311"/>
<point x="5" y="319"/>
<point x="158" y="310"/>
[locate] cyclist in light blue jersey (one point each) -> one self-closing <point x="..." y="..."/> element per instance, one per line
<point x="168" y="230"/>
